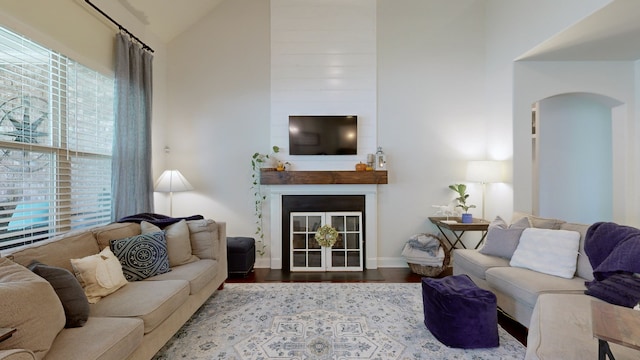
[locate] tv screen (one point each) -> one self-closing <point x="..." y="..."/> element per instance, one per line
<point x="323" y="135"/>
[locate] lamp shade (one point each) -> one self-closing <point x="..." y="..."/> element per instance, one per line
<point x="172" y="181"/>
<point x="485" y="171"/>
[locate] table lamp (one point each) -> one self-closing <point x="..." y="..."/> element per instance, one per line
<point x="172" y="181"/>
<point x="485" y="171"/>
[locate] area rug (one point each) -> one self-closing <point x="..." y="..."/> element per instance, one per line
<point x="318" y="321"/>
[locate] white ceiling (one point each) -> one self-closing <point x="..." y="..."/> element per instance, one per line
<point x="169" y="18"/>
<point x="610" y="34"/>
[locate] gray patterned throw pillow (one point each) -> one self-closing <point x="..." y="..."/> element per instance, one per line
<point x="142" y="256"/>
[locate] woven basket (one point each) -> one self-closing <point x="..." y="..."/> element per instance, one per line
<point x="432" y="271"/>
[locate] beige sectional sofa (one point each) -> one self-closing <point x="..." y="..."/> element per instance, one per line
<point x="133" y="322"/>
<point x="554" y="309"/>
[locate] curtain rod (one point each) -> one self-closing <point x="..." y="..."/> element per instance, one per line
<point x="144" y="46"/>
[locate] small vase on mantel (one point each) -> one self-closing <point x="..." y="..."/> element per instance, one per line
<point x="467" y="218"/>
<point x="381" y="159"/>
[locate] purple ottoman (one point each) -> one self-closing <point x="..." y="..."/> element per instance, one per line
<point x="459" y="313"/>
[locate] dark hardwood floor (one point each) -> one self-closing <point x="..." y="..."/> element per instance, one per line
<point x="384" y="275"/>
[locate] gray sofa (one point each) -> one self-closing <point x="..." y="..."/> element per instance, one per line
<point x="133" y="322"/>
<point x="554" y="309"/>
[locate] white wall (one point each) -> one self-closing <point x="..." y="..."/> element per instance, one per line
<point x="431" y="111"/>
<point x="445" y="77"/>
<point x="534" y="81"/>
<point x="575" y="138"/>
<point x="323" y="62"/>
<point x="444" y="96"/>
<point x="512" y="28"/>
<point x="87" y="39"/>
<point x="219" y="109"/>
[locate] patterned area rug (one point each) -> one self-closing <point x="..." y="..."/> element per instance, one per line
<point x="318" y="321"/>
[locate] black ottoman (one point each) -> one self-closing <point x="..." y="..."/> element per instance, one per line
<point x="459" y="313"/>
<point x="241" y="255"/>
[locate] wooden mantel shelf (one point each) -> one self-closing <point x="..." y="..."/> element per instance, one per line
<point x="271" y="177"/>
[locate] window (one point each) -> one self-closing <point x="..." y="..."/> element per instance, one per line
<point x="56" y="132"/>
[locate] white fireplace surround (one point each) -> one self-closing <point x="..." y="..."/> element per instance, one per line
<point x="370" y="193"/>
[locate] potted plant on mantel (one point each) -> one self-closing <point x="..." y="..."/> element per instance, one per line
<point x="461" y="189"/>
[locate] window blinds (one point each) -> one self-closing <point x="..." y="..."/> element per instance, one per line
<point x="56" y="132"/>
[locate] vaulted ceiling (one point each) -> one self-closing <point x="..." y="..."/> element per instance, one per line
<point x="610" y="34"/>
<point x="169" y="18"/>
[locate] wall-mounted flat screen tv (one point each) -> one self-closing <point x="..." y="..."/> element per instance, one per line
<point x="323" y="135"/>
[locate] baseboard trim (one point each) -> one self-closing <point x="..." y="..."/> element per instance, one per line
<point x="392" y="262"/>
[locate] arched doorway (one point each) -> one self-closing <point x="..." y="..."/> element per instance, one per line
<point x="574" y="156"/>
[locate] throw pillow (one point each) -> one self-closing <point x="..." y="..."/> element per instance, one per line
<point x="502" y="240"/>
<point x="553" y="252"/>
<point x="538" y="222"/>
<point x="205" y="238"/>
<point x="69" y="291"/>
<point x="178" y="241"/>
<point x="99" y="274"/>
<point x="618" y="289"/>
<point x="104" y="234"/>
<point x="30" y="305"/>
<point x="147" y="227"/>
<point x="142" y="256"/>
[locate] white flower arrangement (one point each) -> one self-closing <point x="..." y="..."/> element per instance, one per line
<point x="326" y="236"/>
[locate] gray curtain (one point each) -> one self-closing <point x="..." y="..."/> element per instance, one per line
<point x="132" y="182"/>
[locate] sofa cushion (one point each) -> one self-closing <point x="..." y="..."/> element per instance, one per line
<point x="58" y="250"/>
<point x="199" y="274"/>
<point x="561" y="329"/>
<point x="178" y="241"/>
<point x="101" y="338"/>
<point x="475" y="263"/>
<point x="538" y="222"/>
<point x="29" y="304"/>
<point x="552" y="252"/>
<point x="104" y="234"/>
<point x="502" y="239"/>
<point x="151" y="301"/>
<point x="204" y="238"/>
<point x="99" y="275"/>
<point x="69" y="291"/>
<point x="583" y="269"/>
<point x="142" y="256"/>
<point x="17" y="354"/>
<point x="525" y="285"/>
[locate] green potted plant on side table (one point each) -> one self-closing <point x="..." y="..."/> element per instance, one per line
<point x="461" y="189"/>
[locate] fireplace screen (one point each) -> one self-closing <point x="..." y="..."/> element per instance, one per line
<point x="346" y="253"/>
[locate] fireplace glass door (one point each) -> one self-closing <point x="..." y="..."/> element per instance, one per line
<point x="345" y="255"/>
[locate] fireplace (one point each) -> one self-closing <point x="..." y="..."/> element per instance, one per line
<point x="318" y="204"/>
<point x="285" y="199"/>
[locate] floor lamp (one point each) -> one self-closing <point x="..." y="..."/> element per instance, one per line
<point x="172" y="181"/>
<point x="485" y="171"/>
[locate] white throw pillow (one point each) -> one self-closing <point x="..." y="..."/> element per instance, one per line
<point x="99" y="274"/>
<point x="553" y="252"/>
